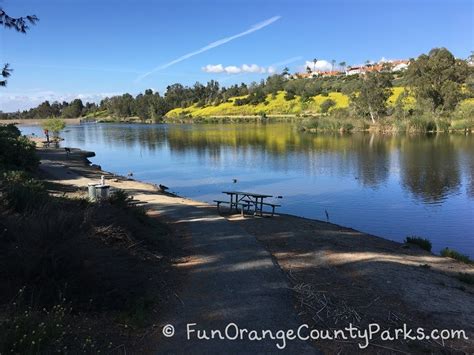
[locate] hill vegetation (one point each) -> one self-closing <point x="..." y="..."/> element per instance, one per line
<point x="436" y="92"/>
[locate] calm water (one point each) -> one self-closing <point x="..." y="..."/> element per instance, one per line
<point x="392" y="186"/>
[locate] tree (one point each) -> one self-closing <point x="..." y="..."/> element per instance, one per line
<point x="333" y="62"/>
<point x="54" y="125"/>
<point x="19" y="24"/>
<point x="343" y="65"/>
<point x="285" y="72"/>
<point x="436" y="79"/>
<point x="314" y="64"/>
<point x="74" y="109"/>
<point x="375" y="89"/>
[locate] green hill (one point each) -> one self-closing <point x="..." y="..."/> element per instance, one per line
<point x="277" y="105"/>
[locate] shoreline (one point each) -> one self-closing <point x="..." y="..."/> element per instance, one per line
<point x="112" y="179"/>
<point x="377" y="128"/>
<point x="325" y="265"/>
<point x="109" y="175"/>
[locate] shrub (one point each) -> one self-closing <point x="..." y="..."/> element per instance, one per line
<point x="421" y="124"/>
<point x="54" y="125"/>
<point x="25" y="330"/>
<point x="16" y="152"/>
<point x="119" y="198"/>
<point x="327" y="104"/>
<point x="21" y="193"/>
<point x="423" y="243"/>
<point x="450" y="253"/>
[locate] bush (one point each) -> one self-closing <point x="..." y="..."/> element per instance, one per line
<point x="421" y="242"/>
<point x="54" y="125"/>
<point x="450" y="253"/>
<point x="21" y="193"/>
<point x="327" y="104"/>
<point x="421" y="124"/>
<point x="16" y="152"/>
<point x="25" y="330"/>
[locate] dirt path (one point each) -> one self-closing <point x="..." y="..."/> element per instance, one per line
<point x="231" y="278"/>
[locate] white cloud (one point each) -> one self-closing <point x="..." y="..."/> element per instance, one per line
<point x="218" y="68"/>
<point x="211" y="45"/>
<point x="232" y="69"/>
<point x="23" y="101"/>
<point x="253" y="68"/>
<point x="322" y="65"/>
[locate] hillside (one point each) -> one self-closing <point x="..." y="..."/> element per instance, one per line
<point x="277" y="105"/>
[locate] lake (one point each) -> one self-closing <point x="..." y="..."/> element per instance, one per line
<point x="391" y="186"/>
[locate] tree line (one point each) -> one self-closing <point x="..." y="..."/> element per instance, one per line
<point x="437" y="80"/>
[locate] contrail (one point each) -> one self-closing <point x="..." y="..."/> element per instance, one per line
<point x="215" y="44"/>
<point x="286" y="61"/>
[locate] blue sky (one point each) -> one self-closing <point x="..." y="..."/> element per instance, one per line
<point x="90" y="49"/>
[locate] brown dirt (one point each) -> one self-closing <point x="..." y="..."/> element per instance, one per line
<point x="343" y="276"/>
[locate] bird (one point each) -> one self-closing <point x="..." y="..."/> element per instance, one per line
<point x="163" y="187"/>
<point x="234" y="181"/>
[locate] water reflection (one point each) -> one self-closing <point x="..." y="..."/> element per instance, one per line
<point x="430" y="167"/>
<point x="388" y="185"/>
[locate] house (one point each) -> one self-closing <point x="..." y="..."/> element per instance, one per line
<point x="400" y="65"/>
<point x="354" y="70"/>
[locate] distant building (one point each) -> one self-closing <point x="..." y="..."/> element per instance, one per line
<point x="354" y="70"/>
<point x="400" y="65"/>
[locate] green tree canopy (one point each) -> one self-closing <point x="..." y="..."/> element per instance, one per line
<point x="436" y="79"/>
<point x="54" y="125"/>
<point x="371" y="100"/>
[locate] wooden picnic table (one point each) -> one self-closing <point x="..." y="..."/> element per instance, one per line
<point x="256" y="199"/>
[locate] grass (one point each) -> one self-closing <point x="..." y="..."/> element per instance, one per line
<point x="100" y="257"/>
<point x="450" y="253"/>
<point x="25" y="330"/>
<point x="423" y="243"/>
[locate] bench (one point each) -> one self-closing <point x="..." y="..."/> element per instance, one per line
<point x="243" y="205"/>
<point x="272" y="205"/>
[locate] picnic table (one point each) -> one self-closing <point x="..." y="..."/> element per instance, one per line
<point x="248" y="199"/>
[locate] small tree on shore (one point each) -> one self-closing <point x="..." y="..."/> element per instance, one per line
<point x="54" y="125"/>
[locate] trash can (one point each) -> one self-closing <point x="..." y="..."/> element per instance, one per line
<point x="102" y="191"/>
<point x="92" y="191"/>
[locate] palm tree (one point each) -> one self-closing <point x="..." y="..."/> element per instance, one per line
<point x="343" y="65"/>
<point x="333" y="62"/>
<point x="314" y="64"/>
